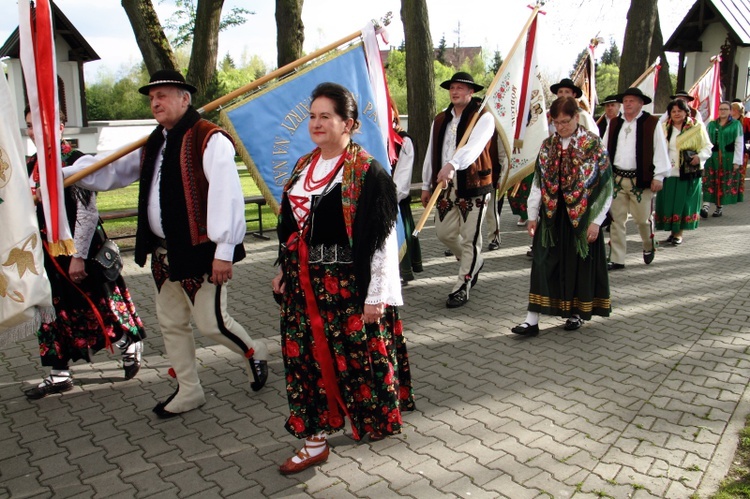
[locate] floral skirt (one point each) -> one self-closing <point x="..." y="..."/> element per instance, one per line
<point x="77" y="330"/>
<point x="678" y="205"/>
<point x="371" y="364"/>
<point x="564" y="284"/>
<point x="721" y="184"/>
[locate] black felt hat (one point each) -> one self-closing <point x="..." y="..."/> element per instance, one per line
<point x="566" y="83"/>
<point x="167" y="77"/>
<point x="609" y="100"/>
<point x="683" y="94"/>
<point x="634" y="91"/>
<point x="462" y="77"/>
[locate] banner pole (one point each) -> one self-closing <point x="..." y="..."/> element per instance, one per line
<point x="216" y="104"/>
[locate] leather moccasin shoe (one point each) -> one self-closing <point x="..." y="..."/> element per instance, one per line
<point x="615" y="266"/>
<point x="648" y="257"/>
<point x="261" y="368"/>
<point x="494" y="244"/>
<point x="160" y="411"/>
<point x="48" y="387"/>
<point x="526" y="329"/>
<point x="290" y="467"/>
<point x="704" y="211"/>
<point x="457" y="299"/>
<point x="573" y="323"/>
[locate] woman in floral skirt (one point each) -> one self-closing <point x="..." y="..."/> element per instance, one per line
<point x="341" y="335"/>
<point x="722" y="181"/>
<point x="92" y="313"/>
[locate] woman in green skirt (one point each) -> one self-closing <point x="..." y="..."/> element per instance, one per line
<point x="678" y="203"/>
<point x="722" y="182"/>
<point x="569" y="199"/>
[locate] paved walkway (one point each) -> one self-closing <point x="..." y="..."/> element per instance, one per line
<point x="646" y="403"/>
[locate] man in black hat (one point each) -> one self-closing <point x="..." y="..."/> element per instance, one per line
<point x="191" y="219"/>
<point x="611" y="110"/>
<point x="466" y="176"/>
<point x="640" y="161"/>
<point x="566" y="88"/>
<point x="682" y="95"/>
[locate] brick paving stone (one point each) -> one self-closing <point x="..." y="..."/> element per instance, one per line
<point x="131" y="463"/>
<point x="230" y="481"/>
<point x="16" y="466"/>
<point x="26" y="486"/>
<point x="109" y="485"/>
<point x="189" y="482"/>
<point x="507" y="487"/>
<point x="149" y="483"/>
<point x="53" y="466"/>
<point x="366" y="456"/>
<point x="420" y="488"/>
<point x="68" y="485"/>
<point x="643" y="398"/>
<point x="93" y="464"/>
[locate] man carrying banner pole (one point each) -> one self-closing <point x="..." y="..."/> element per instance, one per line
<point x="467" y="172"/>
<point x="191" y="220"/>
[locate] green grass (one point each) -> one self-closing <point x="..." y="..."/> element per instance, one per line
<point x="126" y="198"/>
<point x="736" y="485"/>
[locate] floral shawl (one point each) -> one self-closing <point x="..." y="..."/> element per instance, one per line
<point x="356" y="164"/>
<point x="584" y="174"/>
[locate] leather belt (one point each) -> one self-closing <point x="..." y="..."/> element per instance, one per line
<point x="624" y="173"/>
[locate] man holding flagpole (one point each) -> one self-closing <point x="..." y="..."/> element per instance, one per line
<point x="466" y="175"/>
<point x="191" y="219"/>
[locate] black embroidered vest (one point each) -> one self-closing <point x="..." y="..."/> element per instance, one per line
<point x="183" y="194"/>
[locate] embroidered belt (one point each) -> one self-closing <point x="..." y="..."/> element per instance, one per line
<point x="624" y="173"/>
<point x="323" y="253"/>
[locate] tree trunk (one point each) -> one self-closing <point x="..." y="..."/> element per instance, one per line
<point x="203" y="56"/>
<point x="153" y="44"/>
<point x="639" y="33"/>
<point x="290" y="31"/>
<point x="664" y="83"/>
<point x="420" y="77"/>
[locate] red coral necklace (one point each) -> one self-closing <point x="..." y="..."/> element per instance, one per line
<point x="312" y="185"/>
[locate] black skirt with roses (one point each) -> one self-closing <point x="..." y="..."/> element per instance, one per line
<point x="370" y="360"/>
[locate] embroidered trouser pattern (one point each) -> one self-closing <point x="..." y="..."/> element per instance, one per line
<point x="459" y="226"/>
<point x="628" y="198"/>
<point x="207" y="307"/>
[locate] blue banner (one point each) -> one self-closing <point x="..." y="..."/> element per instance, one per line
<point x="270" y="126"/>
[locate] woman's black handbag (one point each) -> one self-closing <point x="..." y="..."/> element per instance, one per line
<point x="106" y="259"/>
<point x="688" y="171"/>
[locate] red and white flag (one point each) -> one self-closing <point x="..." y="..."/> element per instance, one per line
<point x="516" y="100"/>
<point x="707" y="91"/>
<point x="37" y="41"/>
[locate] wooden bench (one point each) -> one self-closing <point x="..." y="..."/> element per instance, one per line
<point x="259" y="201"/>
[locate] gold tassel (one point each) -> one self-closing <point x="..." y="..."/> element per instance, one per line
<point x="64" y="247"/>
